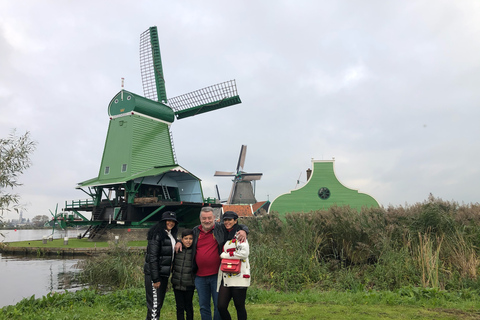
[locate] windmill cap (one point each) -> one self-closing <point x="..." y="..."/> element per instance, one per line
<point x="169" y="215"/>
<point x="230" y="215"/>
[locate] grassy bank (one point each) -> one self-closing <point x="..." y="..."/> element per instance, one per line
<point x="72" y="243"/>
<point x="408" y="303"/>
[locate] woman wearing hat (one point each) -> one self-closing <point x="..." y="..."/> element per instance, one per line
<point x="158" y="262"/>
<point x="233" y="285"/>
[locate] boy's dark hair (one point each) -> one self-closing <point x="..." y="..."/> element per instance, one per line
<point x="187" y="232"/>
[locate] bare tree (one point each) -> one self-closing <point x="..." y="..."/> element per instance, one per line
<point x="15" y="154"/>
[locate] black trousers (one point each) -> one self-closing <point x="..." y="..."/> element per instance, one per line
<point x="225" y="294"/>
<point x="154" y="297"/>
<point x="184" y="304"/>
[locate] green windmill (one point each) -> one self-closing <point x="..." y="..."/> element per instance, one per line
<point x="139" y="176"/>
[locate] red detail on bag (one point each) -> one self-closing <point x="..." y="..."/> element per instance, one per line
<point x="231" y="250"/>
<point x="246" y="276"/>
<point x="230" y="265"/>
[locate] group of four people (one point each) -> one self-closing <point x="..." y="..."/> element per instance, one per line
<point x="195" y="263"/>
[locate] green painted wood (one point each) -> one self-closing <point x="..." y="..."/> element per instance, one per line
<point x="134" y="144"/>
<point x="306" y="198"/>
<point x="125" y="102"/>
<point x="157" y="64"/>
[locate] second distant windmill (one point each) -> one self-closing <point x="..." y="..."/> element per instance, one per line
<point x="243" y="192"/>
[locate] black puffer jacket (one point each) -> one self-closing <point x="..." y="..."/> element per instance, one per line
<point x="159" y="256"/>
<point x="182" y="273"/>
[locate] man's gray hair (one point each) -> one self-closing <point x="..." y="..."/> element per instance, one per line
<point x="206" y="209"/>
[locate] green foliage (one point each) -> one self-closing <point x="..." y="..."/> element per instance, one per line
<point x="434" y="244"/>
<point x="53" y="305"/>
<point x="14" y="160"/>
<point x="118" y="268"/>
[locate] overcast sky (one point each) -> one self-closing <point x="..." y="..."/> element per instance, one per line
<point x="388" y="88"/>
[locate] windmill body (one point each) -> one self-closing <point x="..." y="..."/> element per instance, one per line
<point x="139" y="176"/>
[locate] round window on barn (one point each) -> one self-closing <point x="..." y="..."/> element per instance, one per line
<point x="324" y="193"/>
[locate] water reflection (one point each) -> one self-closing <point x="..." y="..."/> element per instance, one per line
<point x="25" y="276"/>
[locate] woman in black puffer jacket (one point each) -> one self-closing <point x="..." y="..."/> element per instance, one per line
<point x="158" y="262"/>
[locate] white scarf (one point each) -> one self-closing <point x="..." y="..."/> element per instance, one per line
<point x="172" y="240"/>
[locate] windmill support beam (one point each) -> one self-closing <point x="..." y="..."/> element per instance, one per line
<point x="80" y="215"/>
<point x="148" y="217"/>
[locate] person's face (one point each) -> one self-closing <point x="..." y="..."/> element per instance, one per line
<point x="187" y="241"/>
<point x="207" y="220"/>
<point x="170" y="224"/>
<point x="229" y="223"/>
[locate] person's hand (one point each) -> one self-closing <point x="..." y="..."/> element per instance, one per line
<point x="241" y="235"/>
<point x="156" y="285"/>
<point x="178" y="247"/>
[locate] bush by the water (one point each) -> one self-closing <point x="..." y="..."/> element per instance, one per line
<point x="434" y="244"/>
<point x="118" y="268"/>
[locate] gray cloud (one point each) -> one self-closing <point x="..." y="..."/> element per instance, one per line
<point x="387" y="88"/>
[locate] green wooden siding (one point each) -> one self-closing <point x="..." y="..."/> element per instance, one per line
<point x="306" y="199"/>
<point x="138" y="142"/>
<point x="151" y="145"/>
<point x="118" y="138"/>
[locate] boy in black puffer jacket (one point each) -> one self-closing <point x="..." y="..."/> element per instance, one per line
<point x="183" y="278"/>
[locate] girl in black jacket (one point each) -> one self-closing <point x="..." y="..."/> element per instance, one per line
<point x="158" y="262"/>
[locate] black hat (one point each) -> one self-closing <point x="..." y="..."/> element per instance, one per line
<point x="230" y="215"/>
<point x="169" y="215"/>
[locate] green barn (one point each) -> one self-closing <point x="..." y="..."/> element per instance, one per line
<point x="321" y="191"/>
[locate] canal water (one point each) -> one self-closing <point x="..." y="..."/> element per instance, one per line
<point x="21" y="277"/>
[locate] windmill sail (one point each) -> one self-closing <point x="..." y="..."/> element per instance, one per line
<point x="151" y="66"/>
<point x="241" y="158"/>
<point x="204" y="100"/>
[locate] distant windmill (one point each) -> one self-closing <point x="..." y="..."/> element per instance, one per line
<point x="242" y="190"/>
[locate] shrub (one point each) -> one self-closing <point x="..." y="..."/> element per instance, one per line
<point x="432" y="245"/>
<point x="118" y="268"/>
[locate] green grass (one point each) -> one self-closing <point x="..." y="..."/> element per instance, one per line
<point x="409" y="303"/>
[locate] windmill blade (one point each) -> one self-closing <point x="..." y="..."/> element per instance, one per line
<point x="223" y="174"/>
<point x="54" y="218"/>
<point x="241" y="158"/>
<point x="218" y="192"/>
<point x="151" y="66"/>
<point x="232" y="192"/>
<point x="204" y="100"/>
<point x="251" y="176"/>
